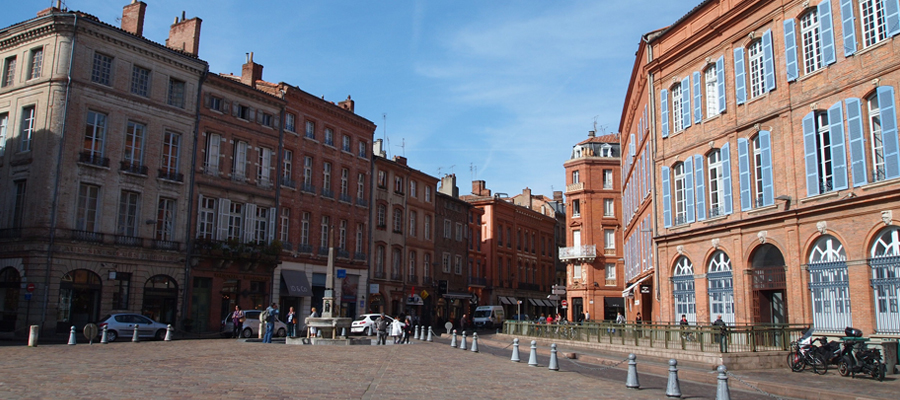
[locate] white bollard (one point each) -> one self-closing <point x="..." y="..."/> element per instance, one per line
<point x="631" y="381"/>
<point x="430" y="332"/>
<point x="515" y="351"/>
<point x="722" y="392"/>
<point x="33" y="335"/>
<point x="474" y="342"/>
<point x="554" y="362"/>
<point x="462" y="344"/>
<point x="72" y="336"/>
<point x="135" y="339"/>
<point x="453" y="340"/>
<point x="673" y="389"/>
<point x="169" y="331"/>
<point x="532" y="358"/>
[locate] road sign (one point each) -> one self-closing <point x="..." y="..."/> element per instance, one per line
<point x="27" y="296"/>
<point x="564" y="303"/>
<point x="558" y="291"/>
<point x="90" y="331"/>
<point x="29" y="287"/>
<point x="553" y="297"/>
<point x="341" y="273"/>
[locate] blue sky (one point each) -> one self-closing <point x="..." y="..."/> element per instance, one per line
<point x="492" y="90"/>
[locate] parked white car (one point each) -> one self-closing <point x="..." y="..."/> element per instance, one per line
<point x="122" y="325"/>
<point x="251" y="325"/>
<point x="365" y="324"/>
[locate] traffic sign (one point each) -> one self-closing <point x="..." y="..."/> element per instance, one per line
<point x="558" y="291"/>
<point x="341" y="273"/>
<point x="29" y="287"/>
<point x="564" y="302"/>
<point x="553" y="297"/>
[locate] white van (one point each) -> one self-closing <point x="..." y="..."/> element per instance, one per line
<point x="488" y="316"/>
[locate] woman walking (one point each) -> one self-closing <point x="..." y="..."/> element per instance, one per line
<point x="237" y="322"/>
<point x="397" y="329"/>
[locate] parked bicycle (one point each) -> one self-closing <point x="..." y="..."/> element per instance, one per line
<point x="805" y="353"/>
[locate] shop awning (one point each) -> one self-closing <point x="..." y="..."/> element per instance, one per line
<point x="534" y="303"/>
<point x="503" y="300"/>
<point x="457" y="295"/>
<point x="548" y="303"/>
<point x="297" y="284"/>
<point x="630" y="288"/>
<point x="513" y="300"/>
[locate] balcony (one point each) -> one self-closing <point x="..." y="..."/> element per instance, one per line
<point x="211" y="170"/>
<point x="239" y="177"/>
<point x="133" y="167"/>
<point x="308" y="188"/>
<point x="128" y="241"/>
<point x="91" y="158"/>
<point x="86" y="236"/>
<point x="304" y="248"/>
<point x="478" y="281"/>
<point x="287" y="182"/>
<point x="396" y="276"/>
<point x="341" y="253"/>
<point x="327" y="193"/>
<point x="344" y="197"/>
<point x="379" y="275"/>
<point x="171" y="176"/>
<point x="362" y="202"/>
<point x="427" y="280"/>
<point x="264" y="182"/>
<point x="413" y="279"/>
<point x="359" y="256"/>
<point x="585" y="253"/>
<point x="323" y="251"/>
<point x="575" y="187"/>
<point x="166" y="245"/>
<point x="287" y="246"/>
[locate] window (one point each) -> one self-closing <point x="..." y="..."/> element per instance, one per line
<point x="427" y="227"/>
<point x="140" y="81"/>
<point x="397" y="262"/>
<point x="757" y="72"/>
<point x="459" y="231"/>
<point x="508" y="237"/>
<point x="206" y="218"/>
<point x="382" y="179"/>
<point x="412" y="223"/>
<point x="102" y="70"/>
<point x="9" y="71"/>
<point x="716" y="184"/>
<point x="26" y="130"/>
<point x="607" y="179"/>
<point x="243" y="112"/>
<point x="379" y="261"/>
<point x="165" y="219"/>
<point x="307" y="173"/>
<point x="873" y="21"/>
<point x="37" y="63"/>
<point x="362" y="149"/>
<point x="680" y="194"/>
<point x="457" y="266"/>
<point x="398" y="185"/>
<point x="94" y="135"/>
<point x="287" y="169"/>
<point x="304" y="229"/>
<point x="426" y="264"/>
<point x="4" y="125"/>
<point x="398" y="220"/>
<point x="448" y="229"/>
<point x="342" y="235"/>
<point x="576" y="208"/>
<point x="310" y="129"/>
<point x="170" y="151"/>
<point x="381" y="216"/>
<point x="326" y="225"/>
<point x="239" y="172"/>
<point x="326" y="178"/>
<point x="610" y="273"/>
<point x="134" y="146"/>
<point x="19" y="204"/>
<point x="176" y="93"/>
<point x="266" y="119"/>
<point x="609" y="238"/>
<point x="289" y="122"/>
<point x="608" y="208"/>
<point x="757" y="174"/>
<point x="829" y="284"/>
<point x="128" y="214"/>
<point x="677" y="112"/>
<point x="883" y="148"/>
<point x="266" y="166"/>
<point x="428" y="194"/>
<point x="122" y="292"/>
<point x="820" y="158"/>
<point x="445" y="263"/>
<point x="711" y="77"/>
<point x="413" y="189"/>
<point x="216" y="103"/>
<point x="411" y="272"/>
<point x="345" y="183"/>
<point x="329" y="136"/>
<point x="345" y="143"/>
<point x="235" y="218"/>
<point x="575" y="177"/>
<point x="809" y="36"/>
<point x="360" y="187"/>
<point x="88" y="203"/>
<point x="284" y="237"/>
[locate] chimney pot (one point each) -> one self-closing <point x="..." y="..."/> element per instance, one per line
<point x="133" y="17"/>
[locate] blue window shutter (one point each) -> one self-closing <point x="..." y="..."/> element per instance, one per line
<point x="810" y="149"/>
<point x="889" y="131"/>
<point x="826" y="32"/>
<point x="768" y="60"/>
<point x="689" y="188"/>
<point x="701" y="187"/>
<point x="685" y="102"/>
<point x="857" y="142"/>
<point x="765" y="150"/>
<point x="725" y="151"/>
<point x="720" y="82"/>
<point x="666" y="197"/>
<point x="848" y="26"/>
<point x="698" y="99"/>
<point x="744" y="169"/>
<point x="838" y="152"/>
<point x="892" y="16"/>
<point x="664" y="110"/>
<point x="740" y="81"/>
<point x="790" y="49"/>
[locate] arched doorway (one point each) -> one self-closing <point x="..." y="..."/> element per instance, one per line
<point x="829" y="285"/>
<point x="683" y="290"/>
<point x="9" y="298"/>
<point x="79" y="300"/>
<point x="768" y="285"/>
<point x="885" y="263"/>
<point x="161" y="299"/>
<point x="721" y="287"/>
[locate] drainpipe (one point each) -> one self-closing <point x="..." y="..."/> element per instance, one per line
<point x="653" y="201"/>
<point x="55" y="202"/>
<point x="279" y="164"/>
<point x="189" y="239"/>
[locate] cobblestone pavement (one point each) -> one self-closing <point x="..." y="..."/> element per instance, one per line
<point x="228" y="368"/>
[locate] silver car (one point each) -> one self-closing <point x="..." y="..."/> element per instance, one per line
<point x="251" y="325"/>
<point x="365" y="324"/>
<point x="123" y="325"/>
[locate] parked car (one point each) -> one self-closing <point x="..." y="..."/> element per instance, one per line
<point x="123" y="325"/>
<point x="251" y="325"/>
<point x="365" y="324"/>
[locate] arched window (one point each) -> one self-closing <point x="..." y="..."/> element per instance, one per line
<point x="829" y="285"/>
<point x="160" y="299"/>
<point x="721" y="287"/>
<point x="683" y="290"/>
<point x="885" y="263"/>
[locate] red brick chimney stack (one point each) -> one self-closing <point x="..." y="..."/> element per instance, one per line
<point x="479" y="189"/>
<point x="184" y="35"/>
<point x="251" y="71"/>
<point x="348" y="104"/>
<point x="133" y="17"/>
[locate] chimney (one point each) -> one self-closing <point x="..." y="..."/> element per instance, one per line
<point x="448" y="186"/>
<point x="526" y="198"/>
<point x="478" y="188"/>
<point x="251" y="71"/>
<point x="348" y="104"/>
<point x="592" y="133"/>
<point x="400" y="160"/>
<point x="133" y="17"/>
<point x="184" y="35"/>
<point x="557" y="195"/>
<point x="378" y="148"/>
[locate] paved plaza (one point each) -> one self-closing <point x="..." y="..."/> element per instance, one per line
<point x="229" y="368"/>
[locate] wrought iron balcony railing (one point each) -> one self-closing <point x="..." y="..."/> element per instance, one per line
<point x="583" y="252"/>
<point x="133" y="167"/>
<point x="171" y="176"/>
<point x="91" y="158"/>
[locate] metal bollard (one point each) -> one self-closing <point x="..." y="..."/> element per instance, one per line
<point x="135" y="338"/>
<point x="462" y="344"/>
<point x="554" y="362"/>
<point x="416" y="332"/>
<point x="532" y="358"/>
<point x="429" y="335"/>
<point x="34" y="333"/>
<point x="72" y="335"/>
<point x="631" y="381"/>
<point x="169" y="331"/>
<point x="453" y="341"/>
<point x="673" y="389"/>
<point x="103" y="339"/>
<point x="515" y="353"/>
<point x="722" y="387"/>
<point x="475" y="342"/>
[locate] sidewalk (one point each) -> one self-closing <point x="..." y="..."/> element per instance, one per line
<point x="781" y="382"/>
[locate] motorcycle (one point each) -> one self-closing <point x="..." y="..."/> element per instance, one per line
<point x="862" y="360"/>
<point x="832" y="352"/>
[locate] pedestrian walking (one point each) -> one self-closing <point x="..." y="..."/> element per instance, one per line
<point x="587" y="316"/>
<point x="720" y="337"/>
<point x="237" y="321"/>
<point x="381" y="327"/>
<point x="620" y="320"/>
<point x="464" y="322"/>
<point x="291" y="321"/>
<point x="271" y="315"/>
<point x="409" y="329"/>
<point x="397" y="329"/>
<point x="637" y="322"/>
